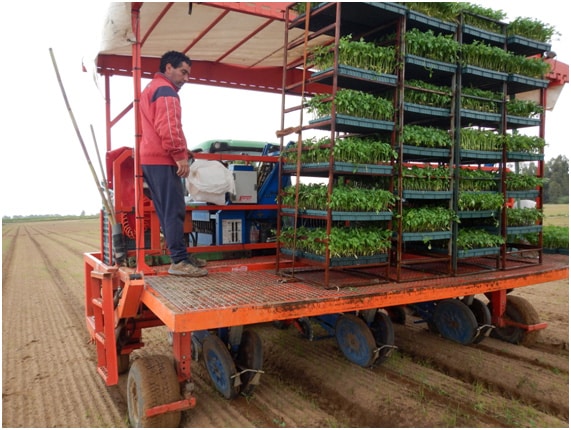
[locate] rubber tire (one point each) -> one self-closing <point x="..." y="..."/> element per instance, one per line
<point x="195" y="348"/>
<point x="305" y="328"/>
<point x="455" y="321"/>
<point x="220" y="366"/>
<point x="250" y="356"/>
<point x="521" y="311"/>
<point x="384" y="334"/>
<point x="152" y="381"/>
<point x="355" y="340"/>
<point x="482" y="315"/>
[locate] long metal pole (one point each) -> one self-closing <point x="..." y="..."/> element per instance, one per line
<point x="72" y="116"/>
<point x="118" y="248"/>
<point x="103" y="177"/>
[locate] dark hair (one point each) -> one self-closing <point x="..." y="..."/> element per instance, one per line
<point x="174" y="58"/>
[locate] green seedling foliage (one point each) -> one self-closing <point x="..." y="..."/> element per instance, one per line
<point x="357" y="53"/>
<point x="428" y="178"/>
<point x="523" y="108"/>
<point x="424" y="93"/>
<point x="427" y="137"/>
<point x="427" y="219"/>
<point x="429" y="45"/>
<point x="478" y="201"/>
<point x="521" y="143"/>
<point x="343" y="198"/>
<point x="531" y="28"/>
<point x="480" y="140"/>
<point x="480" y="54"/>
<point x="478" y="180"/>
<point x="555" y="237"/>
<point x="480" y="100"/>
<point x="351" y="149"/>
<point x="520" y="217"/>
<point x="343" y="242"/>
<point x="352" y="103"/>
<point x="522" y="182"/>
<point x="469" y="238"/>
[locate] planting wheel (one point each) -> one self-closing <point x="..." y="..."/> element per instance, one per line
<point x="303" y="325"/>
<point x="384" y="334"/>
<point x="152" y="381"/>
<point x="356" y="340"/>
<point x="520" y="311"/>
<point x="455" y="321"/>
<point x="249" y="360"/>
<point x="483" y="318"/>
<point x="220" y="366"/>
<point x="195" y="348"/>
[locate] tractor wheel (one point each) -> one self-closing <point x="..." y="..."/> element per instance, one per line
<point x="220" y="366"/>
<point x="521" y="311"/>
<point x="152" y="382"/>
<point x="250" y="357"/>
<point x="356" y="340"/>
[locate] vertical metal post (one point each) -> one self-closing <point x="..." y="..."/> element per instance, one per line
<point x="139" y="196"/>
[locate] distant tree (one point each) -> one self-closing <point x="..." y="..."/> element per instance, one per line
<point x="82" y="213"/>
<point x="528" y="169"/>
<point x="556" y="173"/>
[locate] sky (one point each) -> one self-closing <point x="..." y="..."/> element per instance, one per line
<point x="44" y="170"/>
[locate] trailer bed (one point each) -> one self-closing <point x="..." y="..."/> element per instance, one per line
<point x="244" y="292"/>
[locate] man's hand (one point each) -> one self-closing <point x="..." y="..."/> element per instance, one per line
<point x="183" y="168"/>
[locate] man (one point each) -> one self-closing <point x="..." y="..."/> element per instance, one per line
<point x="164" y="158"/>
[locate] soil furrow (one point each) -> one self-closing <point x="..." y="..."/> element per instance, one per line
<point x="75" y="249"/>
<point x="50" y="377"/>
<point x="535" y="355"/>
<point x="519" y="379"/>
<point x="367" y="396"/>
<point x="78" y="236"/>
<point x="50" y="357"/>
<point x="72" y="298"/>
<point x="8" y="254"/>
<point x="419" y="381"/>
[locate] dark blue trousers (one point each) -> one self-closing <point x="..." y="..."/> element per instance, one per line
<point x="167" y="193"/>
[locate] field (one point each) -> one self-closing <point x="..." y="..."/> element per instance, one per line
<point x="557" y="215"/>
<point x="49" y="376"/>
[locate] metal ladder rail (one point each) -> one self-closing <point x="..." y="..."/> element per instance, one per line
<point x="288" y="46"/>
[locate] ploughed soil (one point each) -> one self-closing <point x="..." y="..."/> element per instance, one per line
<point x="49" y="376"/>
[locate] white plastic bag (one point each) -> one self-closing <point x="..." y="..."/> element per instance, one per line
<point x="209" y="181"/>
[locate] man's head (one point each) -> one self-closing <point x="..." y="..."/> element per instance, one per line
<point x="176" y="66"/>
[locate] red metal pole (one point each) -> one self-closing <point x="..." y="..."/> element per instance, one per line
<point x="139" y="195"/>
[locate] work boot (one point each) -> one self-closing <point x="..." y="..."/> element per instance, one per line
<point x="198" y="262"/>
<point x="185" y="268"/>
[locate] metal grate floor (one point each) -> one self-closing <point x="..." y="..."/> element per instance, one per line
<point x="240" y="288"/>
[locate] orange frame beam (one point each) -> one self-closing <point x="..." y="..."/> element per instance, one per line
<point x="217" y="317"/>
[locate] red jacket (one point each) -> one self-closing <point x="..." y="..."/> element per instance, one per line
<point x="163" y="140"/>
